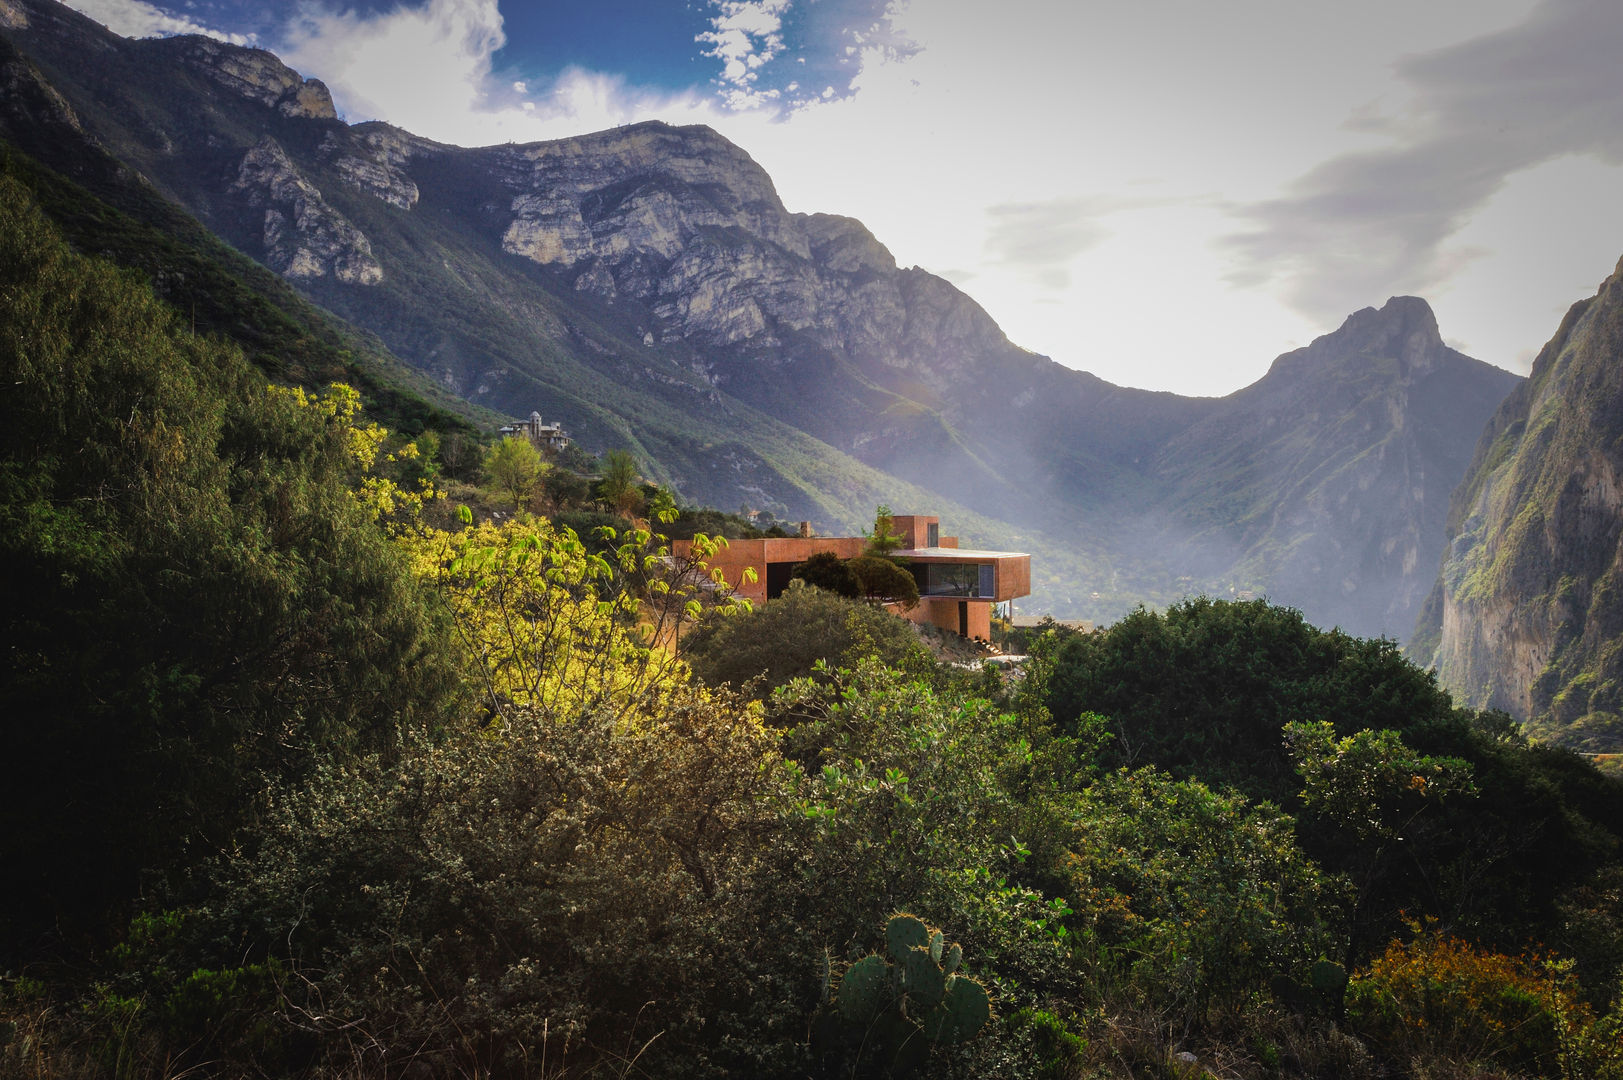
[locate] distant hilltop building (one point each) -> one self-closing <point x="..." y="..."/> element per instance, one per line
<point x="543" y="435"/>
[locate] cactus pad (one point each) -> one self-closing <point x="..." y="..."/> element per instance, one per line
<point x="955" y="956"/>
<point x="905" y="932"/>
<point x="865" y="990"/>
<point x="922" y="980"/>
<point x="961" y="1014"/>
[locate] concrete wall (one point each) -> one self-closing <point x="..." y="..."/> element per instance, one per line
<point x="756" y="554"/>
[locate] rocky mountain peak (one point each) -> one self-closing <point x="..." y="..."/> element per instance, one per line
<point x="1403" y="329"/>
<point x="254" y="74"/>
<point x="1404" y="326"/>
<point x="651" y="183"/>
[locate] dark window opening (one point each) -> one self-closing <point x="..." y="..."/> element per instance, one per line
<point x="777" y="578"/>
<point x="932" y="533"/>
<point x="963" y="618"/>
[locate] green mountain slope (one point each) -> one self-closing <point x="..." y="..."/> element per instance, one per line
<point x="108" y="209"/>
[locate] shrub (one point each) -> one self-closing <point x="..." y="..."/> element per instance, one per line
<point x="1440" y="999"/>
<point x="882" y="580"/>
<point x="786" y="638"/>
<point x="1197" y="898"/>
<point x="567" y="884"/>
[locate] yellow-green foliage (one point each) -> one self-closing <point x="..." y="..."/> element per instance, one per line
<point x="1438" y="998"/>
<point x="547" y="623"/>
<point x="373" y="454"/>
<point x="541" y="617"/>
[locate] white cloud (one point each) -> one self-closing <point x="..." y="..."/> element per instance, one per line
<point x="429" y="69"/>
<point x="1382" y="218"/>
<point x="137" y="19"/>
<point x="430" y="62"/>
<point x="745" y="36"/>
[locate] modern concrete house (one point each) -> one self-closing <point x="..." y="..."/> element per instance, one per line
<point x="957" y="586"/>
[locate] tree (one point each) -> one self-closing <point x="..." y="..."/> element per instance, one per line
<point x="883" y="581"/>
<point x="565" y="490"/>
<point x="884" y="539"/>
<point x="785" y="638"/>
<point x="514" y="465"/>
<point x="618" y="486"/>
<point x="829" y="572"/>
<point x="1206" y="688"/>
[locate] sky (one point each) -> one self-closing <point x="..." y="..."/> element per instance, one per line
<point x="1166" y="193"/>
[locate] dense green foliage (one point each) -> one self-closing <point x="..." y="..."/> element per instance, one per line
<point x="1209" y="689"/>
<point x="1206" y="688"/>
<point x="786" y="638"/>
<point x="300" y="785"/>
<point x="195" y="596"/>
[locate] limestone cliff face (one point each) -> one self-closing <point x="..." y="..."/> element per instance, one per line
<point x="254" y="74"/>
<point x="688" y="223"/>
<point x="1527" y="614"/>
<point x="374" y="159"/>
<point x="304" y="237"/>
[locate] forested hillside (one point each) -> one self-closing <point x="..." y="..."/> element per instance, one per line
<point x="310" y="775"/>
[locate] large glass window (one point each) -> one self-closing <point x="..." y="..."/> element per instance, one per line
<point x="954" y="579"/>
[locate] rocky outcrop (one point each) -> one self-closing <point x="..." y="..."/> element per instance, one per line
<point x="303" y="236"/>
<point x="375" y="162"/>
<point x="636" y="191"/>
<point x="12" y="16"/>
<point x="684" y="221"/>
<point x="255" y="74"/>
<point x="1527" y="613"/>
<point x="27" y="100"/>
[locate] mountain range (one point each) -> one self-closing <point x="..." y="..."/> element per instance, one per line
<point x="647" y="287"/>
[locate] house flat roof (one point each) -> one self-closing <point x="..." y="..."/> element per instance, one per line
<point x="957" y="553"/>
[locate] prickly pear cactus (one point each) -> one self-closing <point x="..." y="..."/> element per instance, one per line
<point x="898" y="1004"/>
<point x="866" y="990"/>
<point x="905" y="932"/>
